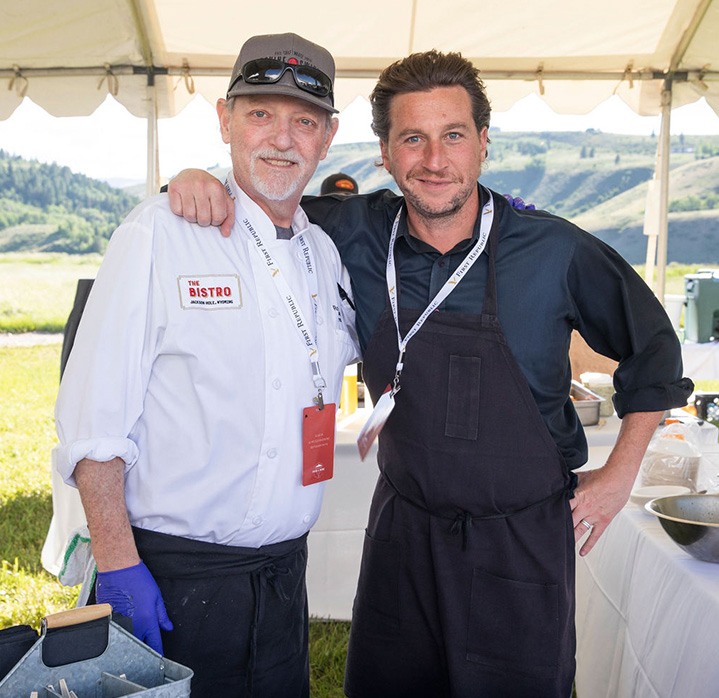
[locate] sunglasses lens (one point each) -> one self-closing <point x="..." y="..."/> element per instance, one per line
<point x="263" y="71"/>
<point x="312" y="81"/>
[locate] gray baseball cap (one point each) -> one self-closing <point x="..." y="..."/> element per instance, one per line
<point x="305" y="70"/>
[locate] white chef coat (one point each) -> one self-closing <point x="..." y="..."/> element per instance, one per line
<point x="201" y="392"/>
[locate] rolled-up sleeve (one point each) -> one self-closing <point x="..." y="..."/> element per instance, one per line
<point x="103" y="387"/>
<point x="620" y="317"/>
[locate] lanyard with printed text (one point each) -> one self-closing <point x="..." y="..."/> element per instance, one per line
<point x="449" y="286"/>
<point x="292" y="306"/>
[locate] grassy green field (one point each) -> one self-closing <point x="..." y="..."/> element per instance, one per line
<point x="28" y="383"/>
<point x="37" y="290"/>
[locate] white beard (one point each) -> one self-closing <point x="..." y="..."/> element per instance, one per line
<point x="279" y="186"/>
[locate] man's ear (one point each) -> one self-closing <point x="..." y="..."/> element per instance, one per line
<point x="223" y="114"/>
<point x="331" y="131"/>
<point x="384" y="150"/>
<point x="483" y="143"/>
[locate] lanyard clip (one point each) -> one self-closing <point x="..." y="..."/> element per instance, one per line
<point x="398" y="371"/>
<point x="319" y="384"/>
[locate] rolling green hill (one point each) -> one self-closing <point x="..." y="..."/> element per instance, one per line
<point x="48" y="208"/>
<point x="693" y="234"/>
<point x="598" y="180"/>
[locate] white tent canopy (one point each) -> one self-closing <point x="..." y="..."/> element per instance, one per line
<point x="153" y="56"/>
<point x="67" y="56"/>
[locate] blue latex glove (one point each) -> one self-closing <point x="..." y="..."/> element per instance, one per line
<point x="133" y="592"/>
<point x="518" y="202"/>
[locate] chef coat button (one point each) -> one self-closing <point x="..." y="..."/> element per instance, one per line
<point x="319" y="320"/>
<point x="277" y="384"/>
<point x="272" y="312"/>
<point x="272" y="453"/>
<point x="300" y="255"/>
<point x="257" y="520"/>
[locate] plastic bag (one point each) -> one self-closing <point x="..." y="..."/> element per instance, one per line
<point x="708" y="478"/>
<point x="672" y="457"/>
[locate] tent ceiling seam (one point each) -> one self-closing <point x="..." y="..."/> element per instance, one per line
<point x="689" y="34"/>
<point x="144" y="40"/>
<point x="412" y="24"/>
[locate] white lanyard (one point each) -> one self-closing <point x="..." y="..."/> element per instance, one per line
<point x="449" y="286"/>
<point x="292" y="306"/>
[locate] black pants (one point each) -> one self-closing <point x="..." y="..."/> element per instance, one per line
<point x="240" y="614"/>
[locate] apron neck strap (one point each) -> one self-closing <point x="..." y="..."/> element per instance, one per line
<point x="489" y="306"/>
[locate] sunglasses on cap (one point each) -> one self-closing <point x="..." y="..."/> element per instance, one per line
<point x="266" y="71"/>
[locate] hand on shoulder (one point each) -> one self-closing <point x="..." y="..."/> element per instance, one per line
<point x="200" y="198"/>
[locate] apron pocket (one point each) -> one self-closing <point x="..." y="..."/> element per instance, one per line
<point x="378" y="585"/>
<point x="463" y="397"/>
<point x="514" y="625"/>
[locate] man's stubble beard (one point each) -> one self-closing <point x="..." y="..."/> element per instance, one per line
<point x="427" y="212"/>
<point x="416" y="203"/>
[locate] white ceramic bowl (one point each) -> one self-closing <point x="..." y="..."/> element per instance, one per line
<point x="642" y="495"/>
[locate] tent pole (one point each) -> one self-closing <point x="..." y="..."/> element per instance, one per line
<point x="152" y="185"/>
<point x="651" y="219"/>
<point x="651" y="260"/>
<point x="665" y="139"/>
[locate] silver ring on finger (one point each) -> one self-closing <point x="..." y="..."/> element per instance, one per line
<point x="587" y="524"/>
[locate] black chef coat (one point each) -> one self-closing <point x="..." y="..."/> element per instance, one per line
<point x="552" y="277"/>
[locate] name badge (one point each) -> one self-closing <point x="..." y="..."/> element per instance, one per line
<point x="208" y="292"/>
<point x="375" y="422"/>
<point x="318" y="443"/>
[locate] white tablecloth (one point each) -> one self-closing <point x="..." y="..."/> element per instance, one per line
<point x="701" y="362"/>
<point x="647" y="612"/>
<point x="336" y="540"/>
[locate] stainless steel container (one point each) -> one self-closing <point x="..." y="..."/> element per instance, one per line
<point x="586" y="403"/>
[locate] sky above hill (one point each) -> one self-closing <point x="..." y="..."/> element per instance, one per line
<point x="111" y="143"/>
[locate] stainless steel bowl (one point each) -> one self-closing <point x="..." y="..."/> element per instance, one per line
<point x="691" y="521"/>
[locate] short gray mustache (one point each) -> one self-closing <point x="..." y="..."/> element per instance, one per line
<point x="279" y="155"/>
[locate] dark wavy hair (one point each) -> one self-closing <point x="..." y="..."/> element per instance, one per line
<point x="421" y="72"/>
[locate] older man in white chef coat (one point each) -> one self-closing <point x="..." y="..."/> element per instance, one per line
<point x="196" y="412"/>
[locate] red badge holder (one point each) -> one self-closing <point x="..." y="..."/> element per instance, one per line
<point x="318" y="443"/>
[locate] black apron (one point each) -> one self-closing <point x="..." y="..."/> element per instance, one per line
<point x="240" y="614"/>
<point x="466" y="587"/>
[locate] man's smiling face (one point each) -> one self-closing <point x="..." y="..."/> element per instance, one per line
<point x="434" y="151"/>
<point x="276" y="142"/>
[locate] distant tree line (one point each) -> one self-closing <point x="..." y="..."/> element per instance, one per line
<point x="695" y="203"/>
<point x="84" y="211"/>
<point x="706" y="150"/>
